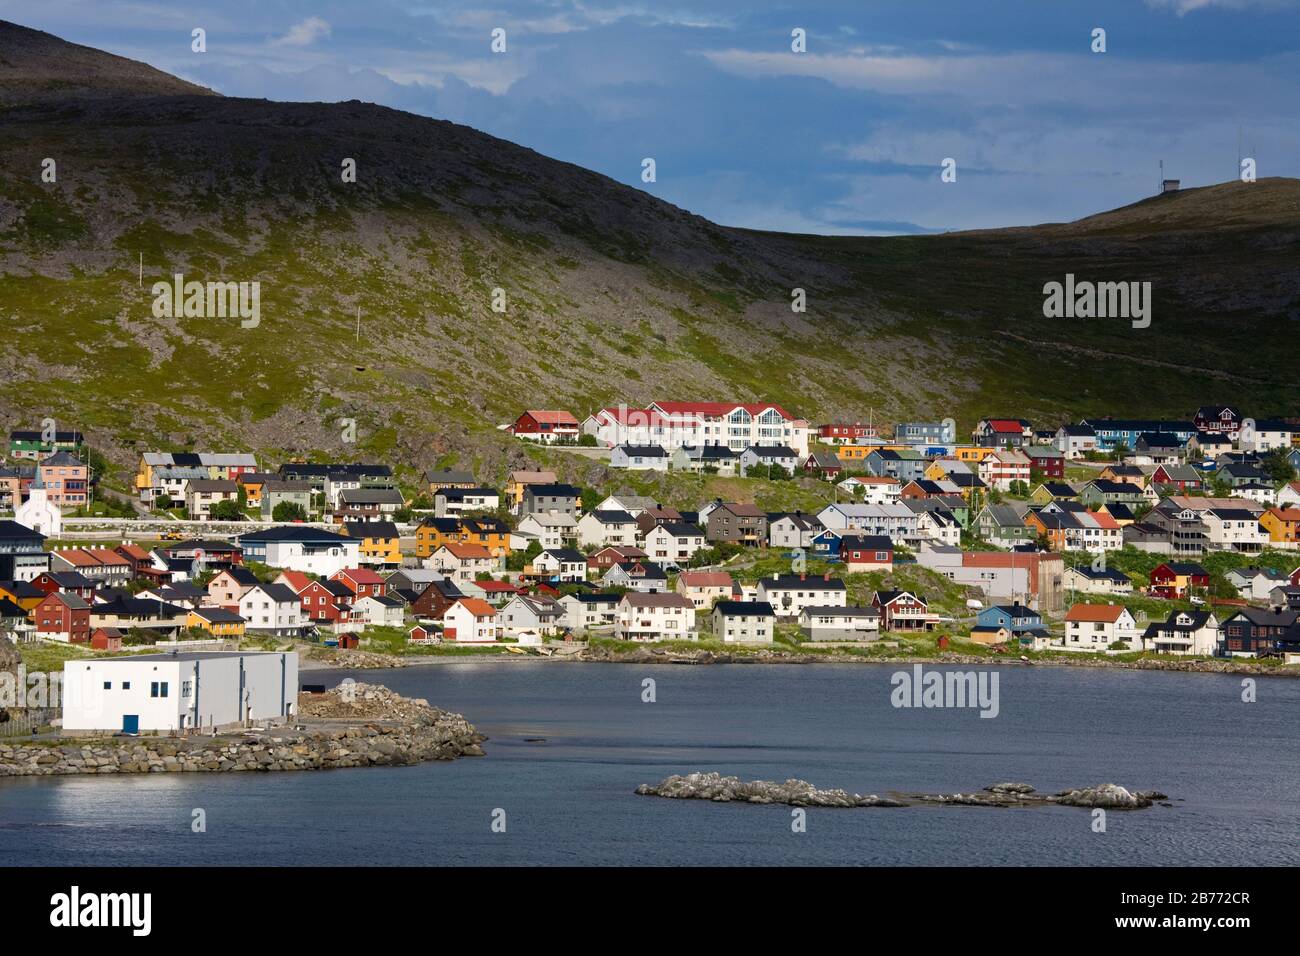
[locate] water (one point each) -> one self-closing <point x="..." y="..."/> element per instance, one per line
<point x="1231" y="767"/>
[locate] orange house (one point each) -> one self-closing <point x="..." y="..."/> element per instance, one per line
<point x="490" y="533"/>
<point x="1282" y="524"/>
<point x="972" y="454"/>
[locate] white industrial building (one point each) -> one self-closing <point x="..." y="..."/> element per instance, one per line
<point x="179" y="691"/>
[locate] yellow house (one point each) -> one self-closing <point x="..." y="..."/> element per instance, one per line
<point x="491" y="533"/>
<point x="252" y="484"/>
<point x="380" y="543"/>
<point x="1282" y="524"/>
<point x="519" y="480"/>
<point x="20" y="596"/>
<point x="850" y="454"/>
<point x="972" y="454"/>
<point x="217" y="621"/>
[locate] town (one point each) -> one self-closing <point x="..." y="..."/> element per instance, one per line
<point x="1108" y="536"/>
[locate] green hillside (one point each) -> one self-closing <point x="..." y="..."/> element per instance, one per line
<point x="611" y="295"/>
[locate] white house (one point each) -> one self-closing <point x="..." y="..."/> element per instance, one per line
<point x="529" y="613"/>
<point x="1234" y="529"/>
<point x="1184" y="632"/>
<point x="1089" y="581"/>
<point x="703" y="588"/>
<point x="789" y="594"/>
<point x="551" y="529"/>
<point x="793" y="530"/>
<point x="461" y="562"/>
<point x="1094" y="627"/>
<point x="599" y="528"/>
<point x="471" y="621"/>
<point x="377" y="610"/>
<point x="38" y="513"/>
<point x="273" y="609"/>
<point x="299" y="548"/>
<point x="588" y="611"/>
<point x="458" y="501"/>
<point x="872" y="489"/>
<point x="834" y="623"/>
<point x="632" y="504"/>
<point x="165" y="692"/>
<point x="659" y="616"/>
<point x="1264" y="435"/>
<point x="639" y="458"/>
<point x="1075" y="441"/>
<point x="758" y="460"/>
<point x="673" y="542"/>
<point x="561" y="564"/>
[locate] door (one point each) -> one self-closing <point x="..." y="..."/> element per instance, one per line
<point x="130" y="723"/>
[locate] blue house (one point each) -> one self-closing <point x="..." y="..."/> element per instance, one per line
<point x="827" y="545"/>
<point x="904" y="465"/>
<point x="1120" y="431"/>
<point x="1019" y="620"/>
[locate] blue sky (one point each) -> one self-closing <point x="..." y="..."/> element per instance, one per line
<point x="847" y="137"/>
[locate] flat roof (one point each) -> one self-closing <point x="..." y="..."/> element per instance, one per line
<point x="186" y="656"/>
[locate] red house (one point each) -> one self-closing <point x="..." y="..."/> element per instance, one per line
<point x="823" y="465"/>
<point x="607" y="557"/>
<point x="1183" y="477"/>
<point x="106" y="639"/>
<point x="67" y="582"/>
<point x="63" y="617"/>
<point x="845" y="434"/>
<point x="327" y="602"/>
<point x="362" y="582"/>
<point x="1175" y="579"/>
<point x="545" y="425"/>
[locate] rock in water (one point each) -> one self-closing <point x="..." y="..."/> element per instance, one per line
<point x="1010" y="788"/>
<point x="801" y="793"/>
<point x="1108" y="796"/>
<point x="795" y="793"/>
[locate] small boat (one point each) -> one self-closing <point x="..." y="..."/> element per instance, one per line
<point x="515" y="650"/>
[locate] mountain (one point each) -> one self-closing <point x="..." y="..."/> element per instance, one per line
<point x="610" y="294"/>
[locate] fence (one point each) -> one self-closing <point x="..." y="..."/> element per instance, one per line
<point x="20" y="723"/>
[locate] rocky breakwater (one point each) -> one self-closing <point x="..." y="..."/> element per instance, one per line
<point x="357" y="725"/>
<point x="800" y="793"/>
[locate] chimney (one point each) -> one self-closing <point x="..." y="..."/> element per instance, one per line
<point x="826" y="576"/>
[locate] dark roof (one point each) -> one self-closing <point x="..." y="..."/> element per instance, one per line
<point x="771" y="451"/>
<point x="866" y="542"/>
<point x="371" y="529"/>
<point x="552" y="491"/>
<point x="279" y="593"/>
<point x="680" y="529"/>
<point x="218" y="615"/>
<point x="12" y="529"/>
<point x="295" y="533"/>
<point x="643" y="451"/>
<point x="612" y="517"/>
<point x="760" y="608"/>
<point x="241" y="575"/>
<point x="566" y="554"/>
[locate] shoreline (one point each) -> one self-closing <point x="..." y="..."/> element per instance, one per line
<point x="368" y="726"/>
<point x="662" y="656"/>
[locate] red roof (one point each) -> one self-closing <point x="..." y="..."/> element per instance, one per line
<point x="360" y="575"/>
<point x="497" y="586"/>
<point x="296" y="580"/>
<point x="476" y="606"/>
<point x="1006" y="425"/>
<point x="1099" y="613"/>
<point x="706" y="579"/>
<point x="551" y="417"/>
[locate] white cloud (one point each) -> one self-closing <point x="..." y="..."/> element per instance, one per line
<point x="1183" y="7"/>
<point x="305" y="33"/>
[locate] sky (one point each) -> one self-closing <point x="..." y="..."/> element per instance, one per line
<point x="847" y="136"/>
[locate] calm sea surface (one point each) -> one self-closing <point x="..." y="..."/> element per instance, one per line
<point x="1231" y="768"/>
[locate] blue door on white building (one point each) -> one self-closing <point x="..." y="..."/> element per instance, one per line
<point x="130" y="723"/>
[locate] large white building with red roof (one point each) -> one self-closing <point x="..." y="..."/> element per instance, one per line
<point x="673" y="425"/>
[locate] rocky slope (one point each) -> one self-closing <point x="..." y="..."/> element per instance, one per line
<point x="610" y="293"/>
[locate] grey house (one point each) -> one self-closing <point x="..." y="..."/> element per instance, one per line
<point x="294" y="492"/>
<point x="541" y="499"/>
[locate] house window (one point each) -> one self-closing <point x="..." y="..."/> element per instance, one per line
<point x="108" y="685"/>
